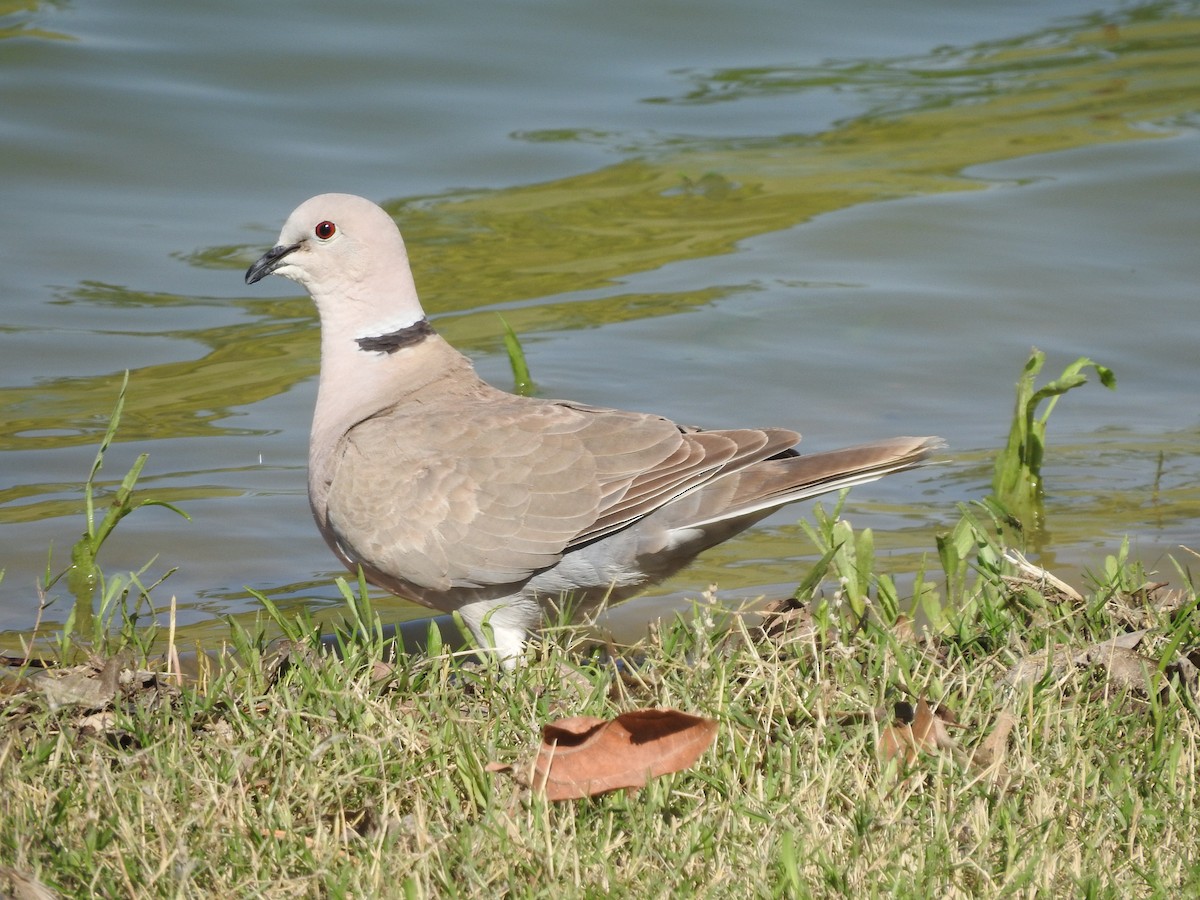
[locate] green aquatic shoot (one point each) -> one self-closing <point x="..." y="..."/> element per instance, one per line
<point x="851" y="556"/>
<point x="522" y="381"/>
<point x="84" y="576"/>
<point x="362" y="625"/>
<point x="1017" y="487"/>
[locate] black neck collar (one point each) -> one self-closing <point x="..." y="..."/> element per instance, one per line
<point x="397" y="340"/>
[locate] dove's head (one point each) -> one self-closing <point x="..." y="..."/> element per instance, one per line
<point x="348" y="254"/>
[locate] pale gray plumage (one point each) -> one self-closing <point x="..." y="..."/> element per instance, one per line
<point x="462" y="497"/>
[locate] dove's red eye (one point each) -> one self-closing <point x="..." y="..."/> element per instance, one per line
<point x="325" y="230"/>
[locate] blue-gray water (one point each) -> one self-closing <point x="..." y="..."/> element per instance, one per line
<point x="852" y="219"/>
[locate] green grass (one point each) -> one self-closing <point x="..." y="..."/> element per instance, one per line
<point x="338" y="776"/>
<point x="328" y="769"/>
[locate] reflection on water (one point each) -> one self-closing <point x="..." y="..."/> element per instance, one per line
<point x="590" y="231"/>
<point x="661" y="236"/>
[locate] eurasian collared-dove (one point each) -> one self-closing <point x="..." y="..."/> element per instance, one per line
<point x="462" y="497"/>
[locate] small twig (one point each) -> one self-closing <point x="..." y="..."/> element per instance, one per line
<point x="174" y="673"/>
<point x="1017" y="558"/>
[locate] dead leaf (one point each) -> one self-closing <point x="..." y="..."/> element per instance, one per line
<point x="81" y="687"/>
<point x="584" y="756"/>
<point x="1151" y="605"/>
<point x="1123" y="667"/>
<point x="789" y="620"/>
<point x="97" y="723"/>
<point x="991" y="750"/>
<point x="1129" y="641"/>
<point x="1116" y="656"/>
<point x="1033" y="667"/>
<point x="381" y="670"/>
<point x="1186" y="672"/>
<point x="917" y="730"/>
<point x="904" y="630"/>
<point x="281" y="655"/>
<point x="18" y="885"/>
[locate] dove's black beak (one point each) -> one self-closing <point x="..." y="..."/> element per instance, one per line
<point x="269" y="262"/>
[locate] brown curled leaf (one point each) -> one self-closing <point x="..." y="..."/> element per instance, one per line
<point x="584" y="756"/>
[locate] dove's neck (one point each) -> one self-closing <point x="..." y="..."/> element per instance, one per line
<point x="373" y="363"/>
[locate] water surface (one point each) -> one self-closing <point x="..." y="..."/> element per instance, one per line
<point x="852" y="221"/>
